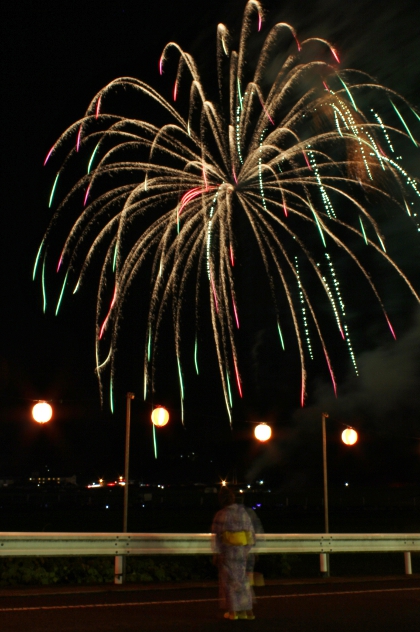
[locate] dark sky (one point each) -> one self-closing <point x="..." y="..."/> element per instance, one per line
<point x="55" y="57"/>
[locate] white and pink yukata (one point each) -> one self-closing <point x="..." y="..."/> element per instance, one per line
<point x="234" y="537"/>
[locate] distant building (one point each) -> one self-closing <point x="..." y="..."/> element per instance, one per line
<point x="53" y="480"/>
<point x="5" y="482"/>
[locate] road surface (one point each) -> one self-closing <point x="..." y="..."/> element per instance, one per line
<point x="389" y="605"/>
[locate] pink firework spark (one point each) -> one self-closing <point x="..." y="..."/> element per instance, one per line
<point x="390" y="327"/>
<point x="98" y="105"/>
<point x="48" y="155"/>
<point x="78" y="138"/>
<point x="235" y="312"/>
<point x="302" y="393"/>
<point x="306" y="160"/>
<point x="214" y="294"/>
<point x="336" y="57"/>
<point x="101" y="333"/>
<point x="86" y="195"/>
<point x="191" y="194"/>
<point x="238" y="379"/>
<point x="331" y="373"/>
<point x="265" y="110"/>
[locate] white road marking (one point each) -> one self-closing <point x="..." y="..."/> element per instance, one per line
<point x="189" y="601"/>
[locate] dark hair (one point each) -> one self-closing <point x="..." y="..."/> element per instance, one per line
<point x="226" y="497"/>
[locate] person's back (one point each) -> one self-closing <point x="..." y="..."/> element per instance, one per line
<point x="234" y="536"/>
<point x="233" y="519"/>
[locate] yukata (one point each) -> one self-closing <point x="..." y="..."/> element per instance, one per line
<point x="250" y="564"/>
<point x="234" y="537"/>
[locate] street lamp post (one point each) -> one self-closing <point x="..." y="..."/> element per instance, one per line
<point x="324" y="469"/>
<point x="160" y="417"/>
<point x="119" y="568"/>
<point x="129" y="397"/>
<point x="324" y="557"/>
<point x="349" y="437"/>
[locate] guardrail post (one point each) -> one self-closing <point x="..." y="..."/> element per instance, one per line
<point x="324" y="564"/>
<point x="119" y="569"/>
<point x="407" y="563"/>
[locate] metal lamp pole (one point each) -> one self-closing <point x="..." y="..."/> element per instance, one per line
<point x="129" y="397"/>
<point x="119" y="572"/>
<point x="324" y="557"/>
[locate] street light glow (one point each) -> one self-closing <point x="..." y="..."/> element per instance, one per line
<point x="349" y="436"/>
<point x="262" y="432"/>
<point x="42" y="412"/>
<point x="160" y="416"/>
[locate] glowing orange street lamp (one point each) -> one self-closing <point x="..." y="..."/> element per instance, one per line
<point x="160" y="416"/>
<point x="262" y="432"/>
<point x="42" y="412"/>
<point x="349" y="436"/>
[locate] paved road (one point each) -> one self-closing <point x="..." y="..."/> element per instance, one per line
<point x="361" y="606"/>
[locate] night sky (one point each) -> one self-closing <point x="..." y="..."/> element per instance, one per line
<point x="55" y="57"/>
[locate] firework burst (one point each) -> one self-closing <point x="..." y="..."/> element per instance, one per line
<point x="293" y="147"/>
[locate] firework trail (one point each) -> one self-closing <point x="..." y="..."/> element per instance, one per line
<point x="294" y="147"/>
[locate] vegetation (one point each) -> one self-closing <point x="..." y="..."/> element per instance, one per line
<point x="30" y="571"/>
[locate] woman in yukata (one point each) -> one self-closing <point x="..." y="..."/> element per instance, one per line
<point x="234" y="537"/>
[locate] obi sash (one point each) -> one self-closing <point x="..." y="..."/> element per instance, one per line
<point x="237" y="538"/>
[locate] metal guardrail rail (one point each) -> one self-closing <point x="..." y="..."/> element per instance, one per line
<point x="63" y="544"/>
<point x="121" y="545"/>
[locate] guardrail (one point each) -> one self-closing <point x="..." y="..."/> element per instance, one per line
<point x="124" y="544"/>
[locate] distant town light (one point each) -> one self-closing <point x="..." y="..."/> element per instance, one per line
<point x="42" y="412"/>
<point x="160" y="416"/>
<point x="349" y="436"/>
<point x="262" y="432"/>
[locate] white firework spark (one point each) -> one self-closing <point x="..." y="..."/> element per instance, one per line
<point x="286" y="149"/>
